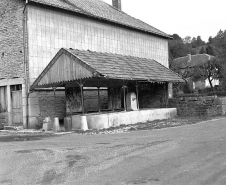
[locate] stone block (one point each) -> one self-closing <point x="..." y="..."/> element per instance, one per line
<point x="97" y="121"/>
<point x="34" y="110"/>
<point x="33" y="122"/>
<point x="33" y="101"/>
<point x="33" y="95"/>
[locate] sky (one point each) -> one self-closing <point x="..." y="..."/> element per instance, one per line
<point x="184" y="17"/>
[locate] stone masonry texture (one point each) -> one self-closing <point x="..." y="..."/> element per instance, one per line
<point x="152" y="95"/>
<point x="46" y="104"/>
<point x="199" y="106"/>
<point x="11" y="38"/>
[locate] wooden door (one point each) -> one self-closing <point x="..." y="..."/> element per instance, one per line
<point x="17" y="107"/>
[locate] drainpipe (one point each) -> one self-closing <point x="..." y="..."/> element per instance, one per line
<point x="25" y="110"/>
<point x="54" y="91"/>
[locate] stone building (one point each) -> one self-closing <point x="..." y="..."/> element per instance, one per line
<point x="33" y="31"/>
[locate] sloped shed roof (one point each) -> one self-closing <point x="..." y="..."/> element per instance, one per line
<point x="102" y="11"/>
<point x="196" y="60"/>
<point x="70" y="65"/>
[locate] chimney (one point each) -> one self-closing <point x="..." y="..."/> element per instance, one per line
<point x="117" y="4"/>
<point x="189" y="57"/>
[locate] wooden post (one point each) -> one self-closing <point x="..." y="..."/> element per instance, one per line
<point x="113" y="98"/>
<point x="170" y="90"/>
<point x="82" y="97"/>
<point x="124" y="96"/>
<point x="9" y="106"/>
<point x="98" y="90"/>
<point x="137" y="95"/>
<point x="54" y="90"/>
<point x="166" y="94"/>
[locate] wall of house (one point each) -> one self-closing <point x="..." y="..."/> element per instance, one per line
<point x="11" y="57"/>
<point x="11" y="39"/>
<point x="50" y="30"/>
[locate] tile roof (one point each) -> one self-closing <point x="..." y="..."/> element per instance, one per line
<point x="115" y="66"/>
<point x="196" y="60"/>
<point x="102" y="11"/>
<point x="125" y="67"/>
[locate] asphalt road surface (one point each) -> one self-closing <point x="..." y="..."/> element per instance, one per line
<point x="191" y="154"/>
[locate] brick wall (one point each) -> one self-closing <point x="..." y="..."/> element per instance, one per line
<point x="11" y="38"/>
<point x="46" y="104"/>
<point x="199" y="106"/>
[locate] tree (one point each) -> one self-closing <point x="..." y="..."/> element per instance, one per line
<point x="187" y="39"/>
<point x="202" y="51"/>
<point x="209" y="70"/>
<point x="210" y="40"/>
<point x="219" y="47"/>
<point x="200" y="42"/>
<point x="194" y="42"/>
<point x="176" y="37"/>
<point x="210" y="50"/>
<point x="177" y="48"/>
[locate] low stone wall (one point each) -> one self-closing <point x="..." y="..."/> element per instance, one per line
<point x="199" y="106"/>
<point x="113" y="119"/>
<point x="223" y="105"/>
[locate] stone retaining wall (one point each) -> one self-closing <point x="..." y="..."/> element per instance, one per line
<point x="199" y="106"/>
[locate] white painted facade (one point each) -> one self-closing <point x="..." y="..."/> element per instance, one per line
<point x="50" y="30"/>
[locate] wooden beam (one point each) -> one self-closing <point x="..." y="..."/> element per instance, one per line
<point x="124" y="97"/>
<point x="137" y="91"/>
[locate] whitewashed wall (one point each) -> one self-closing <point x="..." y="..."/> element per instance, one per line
<point x="49" y="30"/>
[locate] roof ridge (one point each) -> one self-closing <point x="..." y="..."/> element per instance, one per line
<point x="109" y="53"/>
<point x="180" y="57"/>
<point x="194" y="56"/>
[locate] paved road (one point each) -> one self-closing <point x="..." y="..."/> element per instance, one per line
<point x="192" y="154"/>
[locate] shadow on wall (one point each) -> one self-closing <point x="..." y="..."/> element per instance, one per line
<point x="153" y="95"/>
